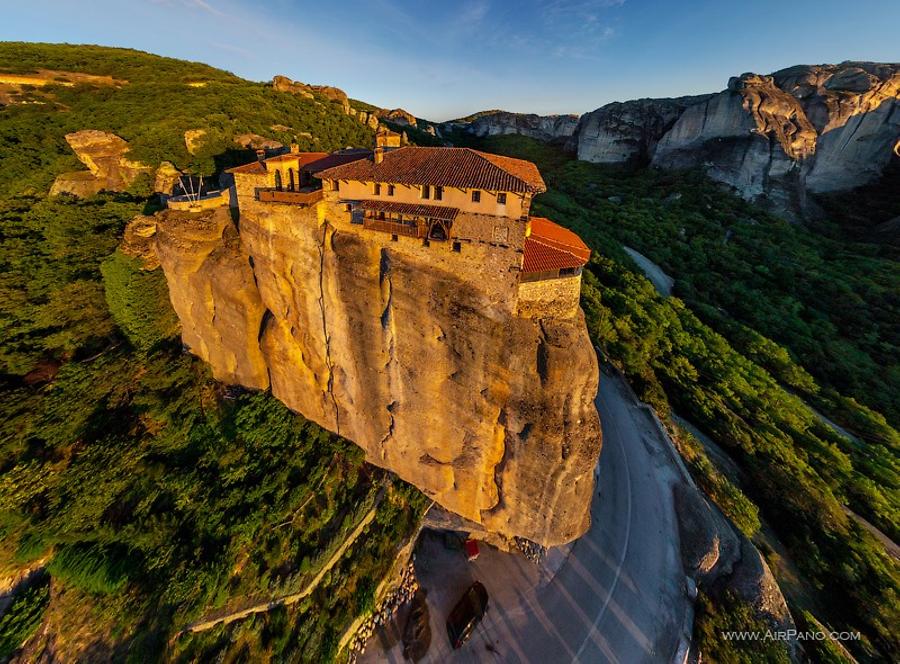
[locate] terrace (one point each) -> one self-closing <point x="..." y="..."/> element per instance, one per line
<point x="305" y="196"/>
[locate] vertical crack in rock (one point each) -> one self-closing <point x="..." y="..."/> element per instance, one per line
<point x="390" y="432"/>
<point x="386" y="287"/>
<point x="543" y="356"/>
<point x="326" y="337"/>
<point x="499" y="467"/>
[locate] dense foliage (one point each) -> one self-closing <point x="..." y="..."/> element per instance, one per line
<point x="157" y="496"/>
<point x="151" y="108"/>
<point x="801" y="472"/>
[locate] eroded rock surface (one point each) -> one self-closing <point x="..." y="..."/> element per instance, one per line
<point x="541" y="127"/>
<point x="109" y="169"/>
<point x="627" y="132"/>
<point x="809" y="128"/>
<point x="435" y="378"/>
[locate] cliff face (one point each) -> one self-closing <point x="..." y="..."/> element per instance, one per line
<point x="432" y="375"/>
<point x="541" y="127"/>
<point x="817" y="128"/>
<point x="627" y="132"/>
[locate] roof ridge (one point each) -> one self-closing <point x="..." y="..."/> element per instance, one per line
<point x="483" y="155"/>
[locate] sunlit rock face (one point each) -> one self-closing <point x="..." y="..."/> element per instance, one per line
<point x="816" y="128"/>
<point x="108" y="167"/>
<point x="428" y="370"/>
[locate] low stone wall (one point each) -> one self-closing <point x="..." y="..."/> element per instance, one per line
<point x="550" y="298"/>
<point x="210" y="202"/>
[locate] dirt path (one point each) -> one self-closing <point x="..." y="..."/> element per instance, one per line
<point x="293" y="598"/>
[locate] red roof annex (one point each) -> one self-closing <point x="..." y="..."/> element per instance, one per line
<point x="552" y="247"/>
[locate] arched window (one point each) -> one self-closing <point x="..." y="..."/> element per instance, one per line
<point x="291" y="179"/>
<point x="278" y="180"/>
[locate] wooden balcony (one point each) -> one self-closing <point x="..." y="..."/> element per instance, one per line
<point x="310" y="197"/>
<point x="407" y="228"/>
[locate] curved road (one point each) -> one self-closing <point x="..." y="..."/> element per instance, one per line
<point x="618" y="596"/>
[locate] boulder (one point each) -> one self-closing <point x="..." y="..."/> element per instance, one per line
<point x="193" y="139"/>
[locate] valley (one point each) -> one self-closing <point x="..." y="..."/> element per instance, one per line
<point x="186" y="500"/>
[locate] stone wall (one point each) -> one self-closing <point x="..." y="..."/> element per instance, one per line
<point x="550" y="298"/>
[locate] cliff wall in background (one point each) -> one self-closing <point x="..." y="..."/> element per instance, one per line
<point x="430" y="372"/>
<point x="816" y="128"/>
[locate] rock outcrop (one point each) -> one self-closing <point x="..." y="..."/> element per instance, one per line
<point x="541" y="127"/>
<point x="809" y="128"/>
<point x="284" y="84"/>
<point x="397" y="116"/>
<point x="108" y="168"/>
<point x="718" y="558"/>
<point x="627" y="132"/>
<point x="490" y="414"/>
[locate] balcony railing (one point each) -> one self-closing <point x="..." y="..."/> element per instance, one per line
<point x="290" y="197"/>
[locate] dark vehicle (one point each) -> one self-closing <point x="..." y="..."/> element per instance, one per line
<point x="417" y="632"/>
<point x="466" y="615"/>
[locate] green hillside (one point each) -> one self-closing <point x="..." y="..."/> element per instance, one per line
<point x="154" y="497"/>
<point x="151" y="109"/>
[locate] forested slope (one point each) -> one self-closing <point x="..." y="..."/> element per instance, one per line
<point x="145" y="495"/>
<point x="742" y="279"/>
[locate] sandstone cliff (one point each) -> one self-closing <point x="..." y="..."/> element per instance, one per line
<point x="541" y="127"/>
<point x="490" y="414"/>
<point x="816" y="128"/>
<point x="109" y="169"/>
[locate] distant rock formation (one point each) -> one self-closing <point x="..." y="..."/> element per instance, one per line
<point x="541" y="127"/>
<point x="108" y="168"/>
<point x="627" y="132"/>
<point x="284" y="84"/>
<point x="809" y="128"/>
<point x="397" y="116"/>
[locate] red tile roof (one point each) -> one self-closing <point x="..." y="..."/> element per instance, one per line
<point x="412" y="209"/>
<point x="450" y="167"/>
<point x="254" y="167"/>
<point x="311" y="161"/>
<point x="302" y="158"/>
<point x="552" y="247"/>
<point x="336" y="159"/>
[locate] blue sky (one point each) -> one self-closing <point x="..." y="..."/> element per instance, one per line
<point x="444" y="59"/>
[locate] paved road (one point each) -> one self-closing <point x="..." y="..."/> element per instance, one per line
<point x="618" y="596"/>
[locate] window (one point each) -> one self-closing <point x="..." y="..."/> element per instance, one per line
<point x="476" y="196"/>
<point x="390" y="190"/>
<point x="393" y="238"/>
<point x="438" y="193"/>
<point x="501" y="198"/>
<point x="381" y="215"/>
<point x="457" y="247"/>
<point x="378" y="189"/>
<point x="336" y="185"/>
<point x="278" y="180"/>
<point x="426" y="191"/>
<point x="425" y="242"/>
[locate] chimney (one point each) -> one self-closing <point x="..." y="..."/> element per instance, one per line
<point x="261" y="155"/>
<point x="379" y="154"/>
<point x="295" y="149"/>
